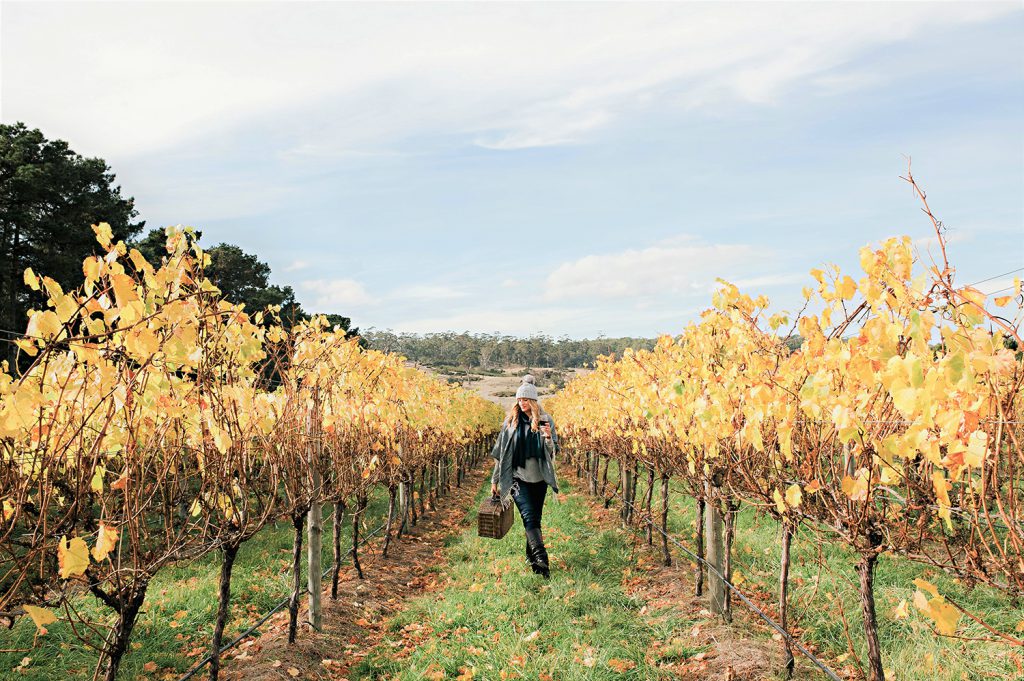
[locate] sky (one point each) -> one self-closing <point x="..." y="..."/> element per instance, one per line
<point x="564" y="169"/>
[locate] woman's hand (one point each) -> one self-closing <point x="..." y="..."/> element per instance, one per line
<point x="545" y="430"/>
<point x="494" y="490"/>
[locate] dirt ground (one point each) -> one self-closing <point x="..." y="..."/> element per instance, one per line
<point x="745" y="650"/>
<point x="501" y="389"/>
<point x="355" y="622"/>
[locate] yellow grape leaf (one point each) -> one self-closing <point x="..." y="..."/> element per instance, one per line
<point x="846" y="288"/>
<point x="44" y="324"/>
<point x="73" y="557"/>
<point x="137" y="259"/>
<point x="106" y="541"/>
<point x="1002" y="301"/>
<point x="91" y="268"/>
<point x="41" y="616"/>
<point x="143" y="343"/>
<point x="103" y="234"/>
<point x="124" y="289"/>
<point x="476" y="587"/>
<point x="945" y="616"/>
<point x="856" y="488"/>
<point x="31" y="280"/>
<point x="780" y="504"/>
<point x="220" y="439"/>
<point x="942" y="495"/>
<point x="905" y="399"/>
<point x="1019" y="627"/>
<point x="27" y="346"/>
<point x="96" y="484"/>
<point x="52" y="288"/>
<point x="900" y="611"/>
<point x="66" y="306"/>
<point x="977" y="448"/>
<point x="794" y="496"/>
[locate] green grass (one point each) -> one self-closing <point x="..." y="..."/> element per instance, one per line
<point x="496" y="615"/>
<point x="179" y="611"/>
<point x="819" y="594"/>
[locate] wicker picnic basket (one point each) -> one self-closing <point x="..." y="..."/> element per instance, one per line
<point x="492" y="520"/>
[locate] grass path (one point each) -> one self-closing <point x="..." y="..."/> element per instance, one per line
<point x="495" y="619"/>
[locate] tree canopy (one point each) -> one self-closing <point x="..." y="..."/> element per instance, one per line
<point x="49" y="196"/>
<point x="242" y="278"/>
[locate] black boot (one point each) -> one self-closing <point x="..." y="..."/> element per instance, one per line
<point x="537" y="553"/>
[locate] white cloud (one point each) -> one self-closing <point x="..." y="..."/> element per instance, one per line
<point x="678" y="267"/>
<point x="426" y="292"/>
<point x="576" y="321"/>
<point x="753" y="284"/>
<point x="331" y="295"/>
<point x="295" y="266"/>
<point x="355" y="78"/>
<point x="932" y="242"/>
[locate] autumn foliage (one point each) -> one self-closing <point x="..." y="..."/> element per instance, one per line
<point x="158" y="422"/>
<point x="894" y="428"/>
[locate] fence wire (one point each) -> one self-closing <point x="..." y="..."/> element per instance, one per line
<point x="711" y="568"/>
<point x="277" y="608"/>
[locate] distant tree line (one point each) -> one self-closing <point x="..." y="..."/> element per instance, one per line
<point x="493" y="351"/>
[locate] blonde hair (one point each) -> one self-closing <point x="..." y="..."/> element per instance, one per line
<point x="513" y="414"/>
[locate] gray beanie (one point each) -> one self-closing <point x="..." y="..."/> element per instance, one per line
<point x="527" y="389"/>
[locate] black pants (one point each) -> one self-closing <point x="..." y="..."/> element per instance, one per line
<point x="529" y="498"/>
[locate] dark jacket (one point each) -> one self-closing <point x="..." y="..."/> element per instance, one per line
<point x="503" y="451"/>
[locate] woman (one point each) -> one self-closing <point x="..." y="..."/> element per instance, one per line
<point x="524" y="468"/>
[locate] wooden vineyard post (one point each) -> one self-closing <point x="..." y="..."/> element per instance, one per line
<point x="314" y="546"/>
<point x="392" y="492"/>
<point x="699" y="580"/>
<point x="339" y="515"/>
<point x="787" y="542"/>
<point x="315" y="519"/>
<point x="715" y="550"/>
<point x="411" y="484"/>
<point x="423" y="490"/>
<point x="730" y="536"/>
<point x="664" y="519"/>
<point x="356" y="517"/>
<point x="627" y="485"/>
<point x="298" y="519"/>
<point x="403" y="508"/>
<point x="595" y="464"/>
<point x="647" y="505"/>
